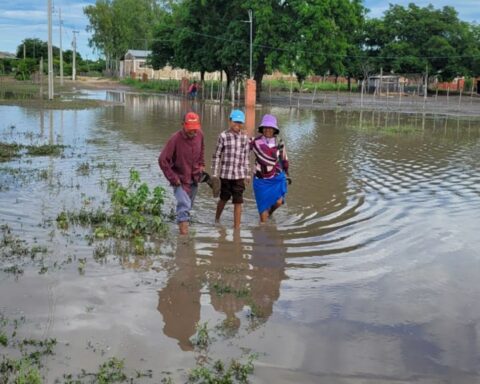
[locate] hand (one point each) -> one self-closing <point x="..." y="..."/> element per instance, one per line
<point x="248" y="179"/>
<point x="289" y="180"/>
<point x="177" y="183"/>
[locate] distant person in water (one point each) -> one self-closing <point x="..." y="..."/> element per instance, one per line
<point x="271" y="168"/>
<point x="182" y="162"/>
<point x="193" y="89"/>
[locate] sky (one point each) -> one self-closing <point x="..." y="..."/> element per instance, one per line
<point x="21" y="19"/>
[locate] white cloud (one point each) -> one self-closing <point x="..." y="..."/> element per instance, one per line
<point x="468" y="10"/>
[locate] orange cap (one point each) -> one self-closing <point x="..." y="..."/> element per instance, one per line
<point x="191" y="122"/>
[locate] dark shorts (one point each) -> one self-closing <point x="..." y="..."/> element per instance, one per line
<point x="233" y="189"/>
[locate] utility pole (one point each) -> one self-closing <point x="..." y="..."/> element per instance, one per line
<point x="425" y="91"/>
<point x="50" y="53"/>
<point x="61" y="51"/>
<point x="74" y="69"/>
<point x="250" y="20"/>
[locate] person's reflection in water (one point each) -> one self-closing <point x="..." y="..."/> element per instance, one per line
<point x="179" y="300"/>
<point x="237" y="280"/>
<point x="267" y="272"/>
<point x="228" y="280"/>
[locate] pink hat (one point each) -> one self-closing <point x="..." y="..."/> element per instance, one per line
<point x="268" y="121"/>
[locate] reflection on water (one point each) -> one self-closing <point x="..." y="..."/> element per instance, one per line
<point x="179" y="300"/>
<point x="369" y="272"/>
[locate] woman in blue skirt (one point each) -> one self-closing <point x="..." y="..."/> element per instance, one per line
<point x="271" y="168"/>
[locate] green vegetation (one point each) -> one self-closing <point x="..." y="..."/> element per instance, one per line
<point x="119" y="25"/>
<point x="413" y="39"/>
<point x="35" y="49"/>
<point x="222" y="289"/>
<point x="11" y="150"/>
<point x="15" y="252"/>
<point x="202" y="338"/>
<point x="153" y="85"/>
<point x="134" y="214"/>
<point x="214" y="86"/>
<point x="24" y="363"/>
<point x="219" y="373"/>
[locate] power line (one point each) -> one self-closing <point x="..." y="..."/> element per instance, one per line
<point x="329" y="55"/>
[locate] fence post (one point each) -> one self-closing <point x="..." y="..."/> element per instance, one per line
<point x="315" y="92"/>
<point x="361" y="93"/>
<point x="291" y="90"/>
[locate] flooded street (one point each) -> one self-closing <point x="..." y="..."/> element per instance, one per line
<point x="368" y="274"/>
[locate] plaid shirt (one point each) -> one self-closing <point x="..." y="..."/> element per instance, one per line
<point x="230" y="159"/>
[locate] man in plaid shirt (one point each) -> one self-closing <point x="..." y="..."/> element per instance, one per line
<point x="230" y="162"/>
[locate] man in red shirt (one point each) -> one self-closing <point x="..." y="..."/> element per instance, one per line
<point x="182" y="162"/>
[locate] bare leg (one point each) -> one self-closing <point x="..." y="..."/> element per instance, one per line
<point x="274" y="207"/>
<point x="183" y="227"/>
<point x="220" y="206"/>
<point x="237" y="215"/>
<point x="264" y="216"/>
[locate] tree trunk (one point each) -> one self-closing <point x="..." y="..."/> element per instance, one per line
<point x="259" y="73"/>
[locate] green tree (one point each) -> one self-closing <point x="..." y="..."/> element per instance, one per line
<point x="119" y="25"/>
<point x="412" y="39"/>
<point x="35" y="49"/>
<point x="295" y="36"/>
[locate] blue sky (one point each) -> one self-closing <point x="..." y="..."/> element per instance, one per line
<point x="20" y="19"/>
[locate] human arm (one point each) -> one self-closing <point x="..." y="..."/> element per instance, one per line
<point x="247" y="148"/>
<point x="217" y="155"/>
<point x="166" y="161"/>
<point x="283" y="157"/>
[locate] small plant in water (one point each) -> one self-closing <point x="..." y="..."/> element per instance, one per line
<point x="220" y="373"/>
<point x="202" y="338"/>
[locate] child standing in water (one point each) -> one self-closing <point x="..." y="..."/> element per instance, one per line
<point x="231" y="164"/>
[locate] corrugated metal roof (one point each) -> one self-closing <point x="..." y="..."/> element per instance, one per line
<point x="138" y="53"/>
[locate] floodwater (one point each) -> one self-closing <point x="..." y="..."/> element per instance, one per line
<point x="368" y="274"/>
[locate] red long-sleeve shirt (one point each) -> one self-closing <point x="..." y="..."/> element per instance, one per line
<point x="182" y="159"/>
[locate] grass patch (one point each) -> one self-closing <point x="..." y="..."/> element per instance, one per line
<point x="220" y="373"/>
<point x="15" y="254"/>
<point x="307" y="86"/>
<point x="8" y="151"/>
<point x="170" y="86"/>
<point x="223" y="289"/>
<point x="25" y="366"/>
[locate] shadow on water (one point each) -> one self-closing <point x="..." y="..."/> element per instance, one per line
<point x="369" y="272"/>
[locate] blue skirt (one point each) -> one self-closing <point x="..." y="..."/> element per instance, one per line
<point x="268" y="191"/>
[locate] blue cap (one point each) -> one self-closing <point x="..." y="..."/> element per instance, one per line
<point x="237" y="116"/>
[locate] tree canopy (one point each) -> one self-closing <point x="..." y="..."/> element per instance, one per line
<point x="119" y="25"/>
<point x="413" y="39"/>
<point x="314" y="37"/>
<point x="294" y="36"/>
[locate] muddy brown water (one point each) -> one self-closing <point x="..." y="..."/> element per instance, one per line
<point x="368" y="274"/>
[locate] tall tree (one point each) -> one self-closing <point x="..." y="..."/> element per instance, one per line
<point x="119" y="25"/>
<point x="410" y="39"/>
<point x="35" y="49"/>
